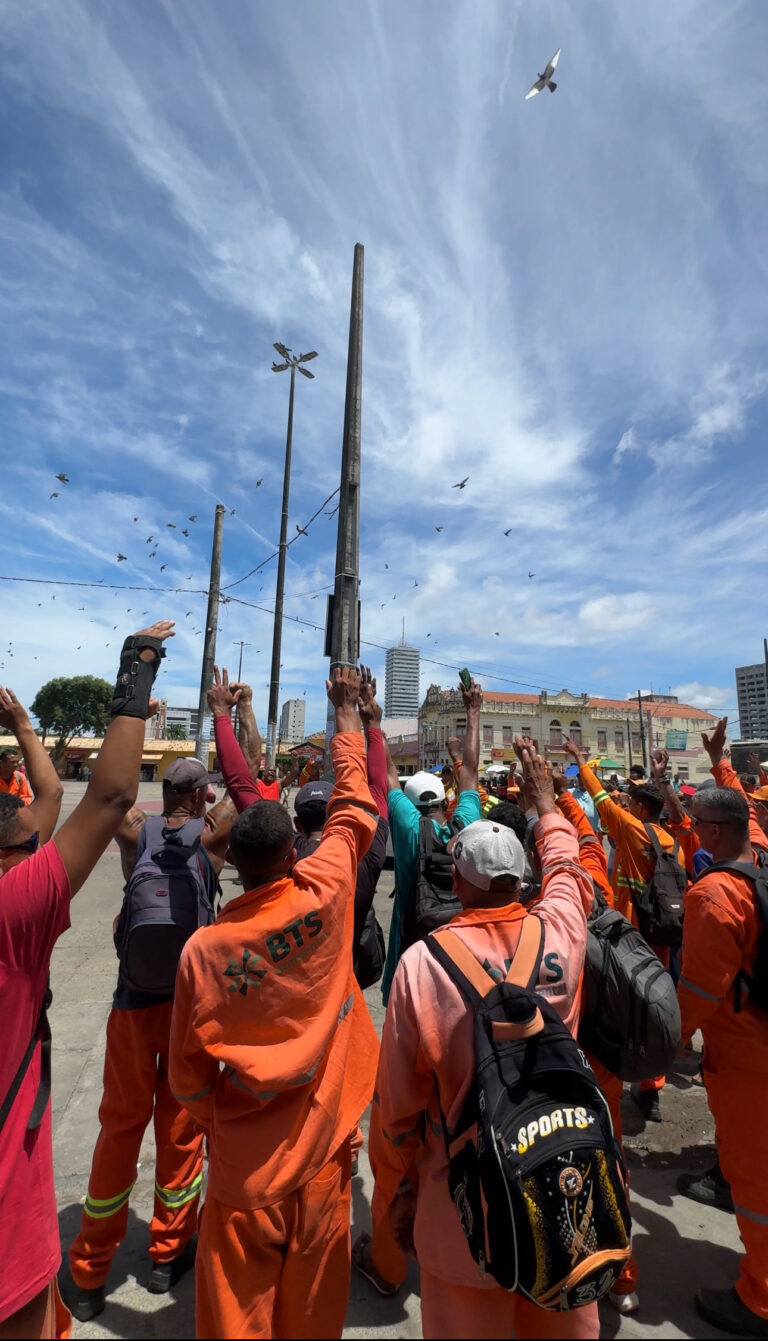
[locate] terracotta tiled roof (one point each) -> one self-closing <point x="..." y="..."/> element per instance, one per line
<point x="622" y="704"/>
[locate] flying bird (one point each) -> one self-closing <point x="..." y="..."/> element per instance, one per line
<point x="258" y="482"/>
<point x="300" y="530"/>
<point x="64" y="479"/>
<point x="415" y="583"/>
<point x="439" y="528"/>
<point x="149" y="539"/>
<point x="545" y="79"/>
<point x="461" y="483"/>
<point x="231" y="512"/>
<point x="509" y="531"/>
<point x="153" y="553"/>
<point x="192" y="518"/>
<point x="54" y="495"/>
<point x="137" y="519"/>
<point x="189" y="612"/>
<point x="121" y="558"/>
<point x="163" y="567"/>
<point x="531" y="574"/>
<point x="185" y="531"/>
<point x="497" y="633"/>
<point x="386" y="565"/>
<point x="171" y="525"/>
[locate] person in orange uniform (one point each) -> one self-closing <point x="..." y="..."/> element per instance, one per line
<point x="12" y="780"/>
<point x="721" y="935"/>
<point x="632" y="869"/>
<point x="274" y="1053"/>
<point x="623" y="1294"/>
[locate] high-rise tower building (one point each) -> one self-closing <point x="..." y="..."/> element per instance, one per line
<point x="292" y="721"/>
<point x="402" y="682"/>
<point x="752" y="698"/>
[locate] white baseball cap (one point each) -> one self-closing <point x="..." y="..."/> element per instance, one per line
<point x="424" y="790"/>
<point x="484" y="850"/>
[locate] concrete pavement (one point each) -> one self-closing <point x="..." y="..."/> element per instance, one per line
<point x="679" y="1245"/>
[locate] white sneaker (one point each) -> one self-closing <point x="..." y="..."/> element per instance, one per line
<point x="624" y="1303"/>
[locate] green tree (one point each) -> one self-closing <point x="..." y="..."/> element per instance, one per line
<point x="176" y="731"/>
<point x="72" y="706"/>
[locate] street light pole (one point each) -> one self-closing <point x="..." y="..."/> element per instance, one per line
<point x="241" y="643"/>
<point x="293" y="362"/>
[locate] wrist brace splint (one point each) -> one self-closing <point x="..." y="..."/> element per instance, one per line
<point x="136" y="677"/>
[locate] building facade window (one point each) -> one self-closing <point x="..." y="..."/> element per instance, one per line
<point x="526" y="730"/>
<point x="618" y="740"/>
<point x="506" y="735"/>
<point x="602" y="741"/>
<point x="575" y="733"/>
<point x="487" y="735"/>
<point x="636" y="742"/>
<point x="555" y="735"/>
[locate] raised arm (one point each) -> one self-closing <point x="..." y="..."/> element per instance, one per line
<point x="41" y="814"/>
<point x="726" y="776"/>
<point x="114" y="781"/>
<point x="473" y="702"/>
<point x="378" y="757"/>
<point x="658" y="770"/>
<point x="613" y="819"/>
<point x="240" y="783"/>
<point x="248" y="731"/>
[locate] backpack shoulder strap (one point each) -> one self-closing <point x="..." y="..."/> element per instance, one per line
<point x="153" y="831"/>
<point x="460" y="965"/>
<point x="426" y="837"/>
<point x="524" y="969"/>
<point x="42" y="1031"/>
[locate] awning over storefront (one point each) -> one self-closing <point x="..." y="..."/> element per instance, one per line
<point x="151" y="758"/>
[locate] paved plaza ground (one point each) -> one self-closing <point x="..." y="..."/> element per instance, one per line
<point x="679" y="1245"/>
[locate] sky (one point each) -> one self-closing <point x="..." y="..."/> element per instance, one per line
<point x="564" y="301"/>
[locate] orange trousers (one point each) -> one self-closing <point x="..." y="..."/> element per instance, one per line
<point x="44" y="1318"/>
<point x="136" y="1089"/>
<point x="738" y="1101"/>
<point x="460" y="1311"/>
<point x="281" y="1270"/>
<point x="386" y="1257"/>
<point x="612" y="1088"/>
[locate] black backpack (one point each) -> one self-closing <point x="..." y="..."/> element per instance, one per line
<point x="534" y="1170"/>
<point x="659" y="906"/>
<point x="434" y="901"/>
<point x="166" y="899"/>
<point x="630" y="1017"/>
<point x="755" y="982"/>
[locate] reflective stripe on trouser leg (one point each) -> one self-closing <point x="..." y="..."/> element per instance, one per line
<point x="178" y="1172"/>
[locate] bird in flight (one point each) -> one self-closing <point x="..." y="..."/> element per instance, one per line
<point x="545" y="79"/>
<point x="149" y="539"/>
<point x="192" y="518"/>
<point x="461" y="483"/>
<point x="415" y="583"/>
<point x="258" y="482"/>
<point x="153" y="553"/>
<point x="163" y="567"/>
<point x="64" y="479"/>
<point x="54" y="495"/>
<point x="137" y="519"/>
<point x="185" y="531"/>
<point x="508" y="532"/>
<point x="300" y="530"/>
<point x="438" y="528"/>
<point x="121" y="558"/>
<point x="231" y="512"/>
<point x="171" y="525"/>
<point x="189" y="612"/>
<point x="531" y="574"/>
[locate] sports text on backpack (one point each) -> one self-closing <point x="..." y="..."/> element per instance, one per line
<point x="630" y="1017"/>
<point x="433" y="902"/>
<point x="165" y="901"/>
<point x="534" y="1169"/>
<point x="659" y="906"/>
<point x="755" y="982"/>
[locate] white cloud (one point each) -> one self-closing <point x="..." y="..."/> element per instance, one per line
<point x="714" y="698"/>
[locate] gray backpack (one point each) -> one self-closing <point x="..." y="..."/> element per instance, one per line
<point x="630" y="1017"/>
<point x="166" y="900"/>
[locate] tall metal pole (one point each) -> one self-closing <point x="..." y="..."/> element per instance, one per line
<point x="209" y="640"/>
<point x="274" y="679"/>
<point x="642" y="730"/>
<point x="344" y="641"/>
<point x="629" y="743"/>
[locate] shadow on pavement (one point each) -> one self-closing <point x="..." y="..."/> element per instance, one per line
<point x="367" y="1308"/>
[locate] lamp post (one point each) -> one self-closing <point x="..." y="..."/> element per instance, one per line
<point x="293" y="362"/>
<point x="241" y="643"/>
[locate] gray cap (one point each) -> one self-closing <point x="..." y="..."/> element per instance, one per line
<point x="313" y="794"/>
<point x="186" y="775"/>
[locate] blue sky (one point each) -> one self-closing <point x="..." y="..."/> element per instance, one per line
<point x="565" y="300"/>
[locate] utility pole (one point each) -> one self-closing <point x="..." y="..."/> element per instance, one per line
<point x="293" y="362"/>
<point x="629" y="743"/>
<point x="343" y="618"/>
<point x="642" y="729"/>
<point x="209" y="639"/>
<point x="241" y="643"/>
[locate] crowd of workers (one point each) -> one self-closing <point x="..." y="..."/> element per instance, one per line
<point x="257" y="1049"/>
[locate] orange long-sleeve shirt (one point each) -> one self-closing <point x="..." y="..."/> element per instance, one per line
<point x="635" y="860"/>
<point x="272" y="1047"/>
<point x="591" y="851"/>
<point x="720" y="936"/>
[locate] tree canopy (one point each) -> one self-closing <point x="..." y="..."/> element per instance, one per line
<point x="70" y="706"/>
<point x="176" y="731"/>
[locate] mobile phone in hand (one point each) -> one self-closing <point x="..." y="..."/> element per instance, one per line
<point x="466" y="678"/>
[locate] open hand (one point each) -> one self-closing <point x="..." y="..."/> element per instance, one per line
<point x="243" y="692"/>
<point x="538" y="777"/>
<point x="559" y="780"/>
<point x="343" y="689"/>
<point x="12" y="714"/>
<point x="220" y="697"/>
<point x="715" y="744"/>
<point x="370" y="711"/>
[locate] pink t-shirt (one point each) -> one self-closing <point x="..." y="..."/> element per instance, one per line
<point x="34" y="911"/>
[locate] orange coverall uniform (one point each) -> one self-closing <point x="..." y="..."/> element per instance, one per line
<point x="633" y="865"/>
<point x="592" y="858"/>
<point x="428" y="1042"/>
<point x="720" y="937"/>
<point x="274" y="1053"/>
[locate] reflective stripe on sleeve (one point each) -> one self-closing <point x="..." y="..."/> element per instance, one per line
<point x="600" y="796"/>
<point x="699" y="991"/>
